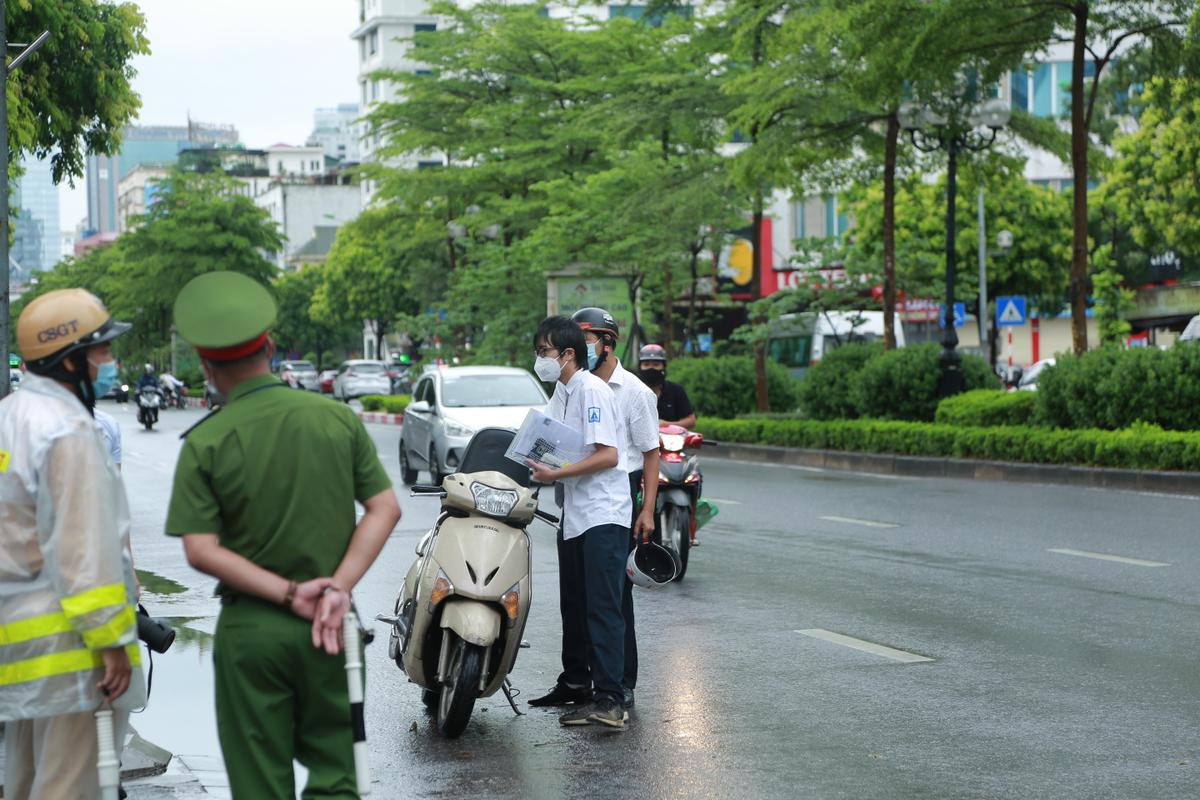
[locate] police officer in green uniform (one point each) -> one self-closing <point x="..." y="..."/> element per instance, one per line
<point x="264" y="499"/>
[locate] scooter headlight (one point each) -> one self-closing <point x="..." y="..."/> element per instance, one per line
<point x="672" y="442"/>
<point x="492" y="501"/>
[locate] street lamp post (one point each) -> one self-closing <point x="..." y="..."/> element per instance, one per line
<point x="954" y="132"/>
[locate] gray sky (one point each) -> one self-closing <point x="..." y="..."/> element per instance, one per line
<point x="262" y="65"/>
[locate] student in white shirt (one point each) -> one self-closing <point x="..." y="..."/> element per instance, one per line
<point x="596" y="510"/>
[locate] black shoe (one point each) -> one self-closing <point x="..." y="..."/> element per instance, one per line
<point x="563" y="695"/>
<point x="608" y="713"/>
<point x="627" y="700"/>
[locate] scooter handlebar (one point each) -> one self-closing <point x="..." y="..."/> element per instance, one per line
<point x="709" y="443"/>
<point x="417" y="491"/>
<point x="544" y="517"/>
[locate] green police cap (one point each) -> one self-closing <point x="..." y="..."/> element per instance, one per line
<point x="224" y="315"/>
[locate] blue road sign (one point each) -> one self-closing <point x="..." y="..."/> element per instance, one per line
<point x="960" y="315"/>
<point x="1010" y="311"/>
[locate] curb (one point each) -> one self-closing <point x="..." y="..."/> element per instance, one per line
<point x="1184" y="483"/>
<point x="380" y="418"/>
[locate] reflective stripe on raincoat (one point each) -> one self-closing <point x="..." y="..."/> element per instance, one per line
<point x="67" y="588"/>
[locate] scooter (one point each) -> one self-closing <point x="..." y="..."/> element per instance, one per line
<point x="679" y="486"/>
<point x="458" y="620"/>
<point x="149" y="401"/>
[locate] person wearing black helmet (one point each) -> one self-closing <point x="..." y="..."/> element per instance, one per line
<point x="674" y="407"/>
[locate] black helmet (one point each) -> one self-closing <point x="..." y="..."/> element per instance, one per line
<point x="651" y="565"/>
<point x="652" y="352"/>
<point x="596" y="320"/>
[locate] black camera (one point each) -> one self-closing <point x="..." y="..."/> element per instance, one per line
<point x="158" y="635"/>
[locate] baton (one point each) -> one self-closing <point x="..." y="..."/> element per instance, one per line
<point x="354" y="667"/>
<point x="107" y="765"/>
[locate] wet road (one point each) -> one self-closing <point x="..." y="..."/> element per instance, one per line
<point x="996" y="648"/>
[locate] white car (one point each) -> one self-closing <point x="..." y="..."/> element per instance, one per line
<point x="450" y="404"/>
<point x="360" y="377"/>
<point x="1029" y="378"/>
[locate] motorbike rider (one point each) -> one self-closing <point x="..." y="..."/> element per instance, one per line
<point x="637" y="405"/>
<point x="674" y="407"/>
<point x="596" y="509"/>
<point x="148" y="379"/>
<point x="67" y="617"/>
<point x="172" y="386"/>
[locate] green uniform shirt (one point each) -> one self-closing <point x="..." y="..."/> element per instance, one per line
<point x="275" y="474"/>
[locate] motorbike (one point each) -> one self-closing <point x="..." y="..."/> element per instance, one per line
<point x="458" y="620"/>
<point x="175" y="396"/>
<point x="679" y="487"/>
<point x="149" y="401"/>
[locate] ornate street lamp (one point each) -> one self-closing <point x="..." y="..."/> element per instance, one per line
<point x="945" y="126"/>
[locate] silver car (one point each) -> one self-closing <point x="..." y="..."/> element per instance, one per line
<point x="361" y="377"/>
<point x="450" y="404"/>
<point x="299" y="375"/>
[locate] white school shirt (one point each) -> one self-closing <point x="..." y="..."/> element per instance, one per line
<point x="112" y="434"/>
<point x="638" y="406"/>
<point x="587" y="404"/>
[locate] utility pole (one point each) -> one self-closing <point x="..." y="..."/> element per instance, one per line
<point x="5" y="322"/>
<point x="985" y="329"/>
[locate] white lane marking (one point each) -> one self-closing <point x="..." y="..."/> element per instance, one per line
<point x="867" y="522"/>
<point x="721" y="502"/>
<point x="863" y="645"/>
<point x="1066" y="551"/>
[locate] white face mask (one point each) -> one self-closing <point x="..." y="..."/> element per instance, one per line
<point x="547" y="368"/>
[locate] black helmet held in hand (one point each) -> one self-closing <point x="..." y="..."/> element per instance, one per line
<point x="596" y="320"/>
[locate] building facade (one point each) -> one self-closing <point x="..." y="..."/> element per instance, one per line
<point x="305" y="210"/>
<point x="335" y="130"/>
<point x="35" y="246"/>
<point x="158" y="144"/>
<point x="135" y="193"/>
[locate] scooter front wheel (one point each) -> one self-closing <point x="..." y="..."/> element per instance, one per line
<point x="679" y="530"/>
<point x="461" y="686"/>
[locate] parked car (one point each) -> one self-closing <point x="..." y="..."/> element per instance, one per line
<point x="1029" y="378"/>
<point x="325" y="380"/>
<point x="451" y="403"/>
<point x="360" y="377"/>
<point x="299" y="375"/>
<point x="118" y="392"/>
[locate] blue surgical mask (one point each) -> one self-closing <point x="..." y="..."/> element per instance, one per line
<point x="593" y="358"/>
<point x="106" y="376"/>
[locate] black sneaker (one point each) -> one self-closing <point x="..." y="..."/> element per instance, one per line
<point x="627" y="700"/>
<point x="608" y="712"/>
<point x="563" y="695"/>
<point x="580" y="716"/>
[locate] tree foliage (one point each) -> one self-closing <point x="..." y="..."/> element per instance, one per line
<point x="74" y="96"/>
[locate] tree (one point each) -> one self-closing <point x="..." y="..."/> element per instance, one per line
<point x="295" y="328"/>
<point x="75" y="96"/>
<point x="378" y="268"/>
<point x="196" y="224"/>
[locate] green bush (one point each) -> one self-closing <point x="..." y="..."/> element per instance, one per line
<point x="195" y="391"/>
<point x="311" y="358"/>
<point x="1138" y="447"/>
<point x="392" y="404"/>
<point x="724" y="386"/>
<point x="985" y="407"/>
<point x="1112" y="389"/>
<point x="827" y="390"/>
<point x="902" y="383"/>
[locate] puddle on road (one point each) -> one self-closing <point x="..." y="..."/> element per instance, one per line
<point x="180" y="715"/>
<point x="158" y="584"/>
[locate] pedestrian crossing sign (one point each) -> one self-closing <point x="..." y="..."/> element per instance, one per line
<point x="1010" y="310"/>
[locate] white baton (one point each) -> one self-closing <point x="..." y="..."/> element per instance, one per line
<point x="354" y="681"/>
<point x="107" y="765"/>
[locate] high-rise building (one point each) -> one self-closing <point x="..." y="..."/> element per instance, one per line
<point x="158" y="144"/>
<point x="336" y="131"/>
<point x="36" y="245"/>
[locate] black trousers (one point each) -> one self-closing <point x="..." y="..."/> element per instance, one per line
<point x="572" y="606"/>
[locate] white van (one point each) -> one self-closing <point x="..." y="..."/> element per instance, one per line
<point x="800" y="340"/>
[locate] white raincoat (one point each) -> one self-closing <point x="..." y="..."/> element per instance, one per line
<point x="67" y="588"/>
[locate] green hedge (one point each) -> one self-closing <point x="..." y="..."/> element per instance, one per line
<point x="724" y="386"/>
<point x="985" y="407"/>
<point x="1111" y="389"/>
<point x="392" y="404"/>
<point x="903" y="383"/>
<point x="827" y="391"/>
<point x="1139" y="447"/>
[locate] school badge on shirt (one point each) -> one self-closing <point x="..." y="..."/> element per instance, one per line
<point x="593" y="413"/>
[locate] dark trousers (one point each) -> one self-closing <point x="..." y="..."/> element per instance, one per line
<point x="572" y="605"/>
<point x="605" y="550"/>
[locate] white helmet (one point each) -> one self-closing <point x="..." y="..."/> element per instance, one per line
<point x="651" y="565"/>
